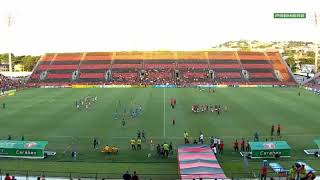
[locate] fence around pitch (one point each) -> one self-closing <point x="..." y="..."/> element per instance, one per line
<point x="54" y="175"/>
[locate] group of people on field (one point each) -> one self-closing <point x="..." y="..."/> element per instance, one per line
<point x="209" y="108"/>
<point x="86" y="102"/>
<point x="244" y="145"/>
<point x="216" y="144"/>
<point x="164" y="150"/>
<point x="136" y="143"/>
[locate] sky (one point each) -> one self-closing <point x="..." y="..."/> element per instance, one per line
<point x="42" y="26"/>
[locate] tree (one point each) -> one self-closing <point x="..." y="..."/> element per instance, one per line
<point x="291" y="61"/>
<point x="4" y="58"/>
<point x="29" y="62"/>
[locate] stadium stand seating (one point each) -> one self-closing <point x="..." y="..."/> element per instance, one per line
<point x="162" y="67"/>
<point x="314" y="82"/>
<point x="7" y="83"/>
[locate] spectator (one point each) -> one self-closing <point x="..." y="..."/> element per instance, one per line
<point x="302" y="172"/>
<point x="135" y="176"/>
<point x="310" y="176"/>
<point x="126" y="176"/>
<point x="292" y="173"/>
<point x="7" y="177"/>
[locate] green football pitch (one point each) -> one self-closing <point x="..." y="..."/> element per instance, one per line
<point x="50" y="114"/>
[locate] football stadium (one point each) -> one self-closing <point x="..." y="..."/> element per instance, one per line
<point x="94" y="104"/>
<point x="216" y="113"/>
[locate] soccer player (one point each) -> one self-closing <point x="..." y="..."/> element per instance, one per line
<point x="173" y="121"/>
<point x="219" y="142"/>
<point x="225" y="108"/>
<point x="143" y="135"/>
<point x="248" y="146"/>
<point x="272" y="130"/>
<point x="95" y="143"/>
<point x="256" y="136"/>
<point x="211" y="140"/>
<point x="215" y="141"/>
<point x="123" y="122"/>
<point x="139" y="144"/>
<point x="4" y="105"/>
<point x="133" y="144"/>
<point x="242" y="144"/>
<point x="172" y="104"/>
<point x="201" y="138"/>
<point x="278" y="130"/>
<point x="186" y="137"/>
<point x="214" y="150"/>
<point x="139" y="134"/>
<point x="236" y="146"/>
<point x="221" y="147"/>
<point x="170" y="148"/>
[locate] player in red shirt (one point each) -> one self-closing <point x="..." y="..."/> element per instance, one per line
<point x="236" y="146"/>
<point x="272" y="130"/>
<point x="264" y="172"/>
<point x="221" y="146"/>
<point x="242" y="145"/>
<point x="7" y="177"/>
<point x="278" y="130"/>
<point x="172" y="103"/>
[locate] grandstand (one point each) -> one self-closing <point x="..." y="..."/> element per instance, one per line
<point x="313" y="84"/>
<point x="163" y="67"/>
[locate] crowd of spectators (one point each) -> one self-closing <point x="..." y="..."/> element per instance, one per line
<point x="7" y="83"/>
<point x="315" y="84"/>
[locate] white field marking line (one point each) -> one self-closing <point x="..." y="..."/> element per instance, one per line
<point x="177" y="137"/>
<point x="227" y="137"/>
<point x="164" y="112"/>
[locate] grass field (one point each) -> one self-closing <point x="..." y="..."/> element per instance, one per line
<point x="50" y="114"/>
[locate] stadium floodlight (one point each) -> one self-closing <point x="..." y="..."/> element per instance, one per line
<point x="316" y="50"/>
<point x="10" y="20"/>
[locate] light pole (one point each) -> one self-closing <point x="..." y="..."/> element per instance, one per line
<point x="316" y="50"/>
<point x="9" y="53"/>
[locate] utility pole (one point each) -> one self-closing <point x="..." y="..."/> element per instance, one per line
<point x="9" y="53"/>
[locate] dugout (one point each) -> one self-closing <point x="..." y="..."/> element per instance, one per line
<point x="269" y="149"/>
<point x="23" y="149"/>
<point x="315" y="152"/>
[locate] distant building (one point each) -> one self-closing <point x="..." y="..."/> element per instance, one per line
<point x="4" y="67"/>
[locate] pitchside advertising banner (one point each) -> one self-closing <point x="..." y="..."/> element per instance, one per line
<point x="270" y="149"/>
<point x="22" y="149"/>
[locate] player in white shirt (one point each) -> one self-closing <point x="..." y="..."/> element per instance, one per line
<point x="201" y="138"/>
